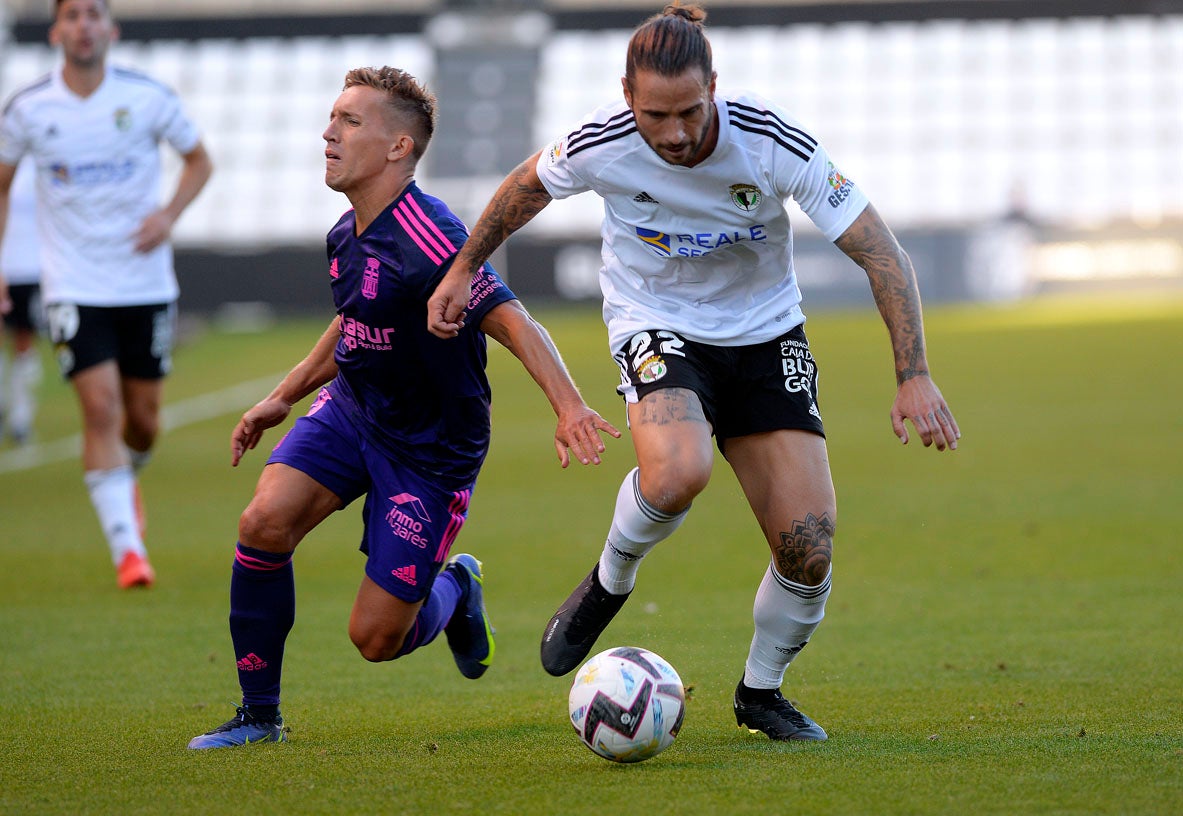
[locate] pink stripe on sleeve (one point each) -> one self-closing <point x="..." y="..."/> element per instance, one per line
<point x="422" y="229"/>
<point x="428" y="224"/>
<point x="428" y="250"/>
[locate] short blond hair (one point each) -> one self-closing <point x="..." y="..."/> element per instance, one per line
<point x="408" y="98"/>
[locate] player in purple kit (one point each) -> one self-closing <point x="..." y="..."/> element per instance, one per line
<point x="401" y="418"/>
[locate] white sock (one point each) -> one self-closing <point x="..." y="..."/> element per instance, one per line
<point x="112" y="492"/>
<point x="26" y="373"/>
<point x="786" y="614"/>
<point x="637" y="527"/>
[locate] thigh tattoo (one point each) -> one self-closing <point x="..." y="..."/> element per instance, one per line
<point x="803" y="555"/>
<point x="671" y="405"/>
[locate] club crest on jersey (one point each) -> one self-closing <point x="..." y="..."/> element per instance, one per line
<point x="369" y="279"/>
<point x="659" y="242"/>
<point x="123" y="119"/>
<point x="745" y="196"/>
<point x="652" y="370"/>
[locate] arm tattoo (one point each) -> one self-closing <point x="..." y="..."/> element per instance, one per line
<point x="517" y="200"/>
<point x="670" y="405"/>
<point x="803" y="555"/>
<point x="871" y="245"/>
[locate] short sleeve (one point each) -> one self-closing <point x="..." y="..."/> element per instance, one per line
<point x="175" y="127"/>
<point x="830" y="199"/>
<point x="488" y="290"/>
<point x="13" y="143"/>
<point x="559" y="175"/>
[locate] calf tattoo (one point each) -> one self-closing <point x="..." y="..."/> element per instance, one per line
<point x="803" y="555"/>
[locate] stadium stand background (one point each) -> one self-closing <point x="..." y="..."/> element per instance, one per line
<point x="1015" y="146"/>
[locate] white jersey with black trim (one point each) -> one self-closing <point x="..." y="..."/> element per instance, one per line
<point x="706" y="251"/>
<point x="20" y="258"/>
<point x="98" y="174"/>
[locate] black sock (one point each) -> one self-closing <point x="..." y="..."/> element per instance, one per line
<point x="747" y="694"/>
<point x="262" y="610"/>
<point x="262" y="713"/>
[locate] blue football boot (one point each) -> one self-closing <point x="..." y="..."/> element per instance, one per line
<point x="469" y="632"/>
<point x="244" y="729"/>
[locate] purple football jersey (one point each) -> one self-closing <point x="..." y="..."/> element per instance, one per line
<point x="422" y="399"/>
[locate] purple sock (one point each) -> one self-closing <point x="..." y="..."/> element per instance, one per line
<point x="434" y="614"/>
<point x="262" y="610"/>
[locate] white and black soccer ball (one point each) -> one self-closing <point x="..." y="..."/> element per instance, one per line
<point x="627" y="704"/>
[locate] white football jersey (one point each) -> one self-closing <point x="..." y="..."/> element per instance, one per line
<point x="98" y="175"/>
<point x="20" y="259"/>
<point x="706" y="251"/>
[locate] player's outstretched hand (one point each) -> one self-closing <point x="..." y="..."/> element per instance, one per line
<point x="578" y="433"/>
<point x="445" y="307"/>
<point x="249" y="430"/>
<point x="919" y="401"/>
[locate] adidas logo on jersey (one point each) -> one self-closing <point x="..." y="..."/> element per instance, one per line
<point x="644" y="198"/>
<point x="405" y="574"/>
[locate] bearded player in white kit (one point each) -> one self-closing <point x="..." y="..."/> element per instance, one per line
<point x="108" y="283"/>
<point x="704" y="319"/>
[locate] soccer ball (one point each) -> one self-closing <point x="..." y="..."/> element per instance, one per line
<point x="626" y="704"/>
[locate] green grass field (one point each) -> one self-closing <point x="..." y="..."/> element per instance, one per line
<point x="1004" y="634"/>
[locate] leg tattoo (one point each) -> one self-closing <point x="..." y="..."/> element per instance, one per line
<point x="803" y="555"/>
<point x="671" y="405"/>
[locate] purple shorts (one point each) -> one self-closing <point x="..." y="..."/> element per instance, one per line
<point x="410" y="523"/>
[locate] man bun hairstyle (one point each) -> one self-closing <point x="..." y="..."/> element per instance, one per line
<point x="670" y="43"/>
<point x="409" y="100"/>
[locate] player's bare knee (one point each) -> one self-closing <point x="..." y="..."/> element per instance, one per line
<point x="140" y="434"/>
<point x="102" y="419"/>
<point x="377" y="647"/>
<point x="672" y="489"/>
<point x="259" y="527"/>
